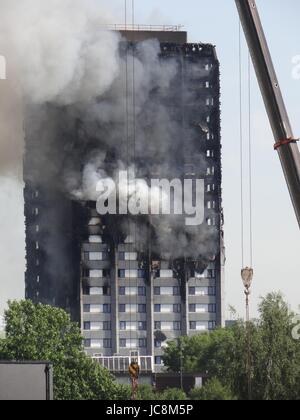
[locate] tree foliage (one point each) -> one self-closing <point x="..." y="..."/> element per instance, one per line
<point x="212" y="391"/>
<point x="44" y="333"/>
<point x="222" y="354"/>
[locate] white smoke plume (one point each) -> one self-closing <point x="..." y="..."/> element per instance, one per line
<point x="78" y="93"/>
<point x="63" y="55"/>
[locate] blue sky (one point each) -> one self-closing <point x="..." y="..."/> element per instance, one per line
<point x="276" y="233"/>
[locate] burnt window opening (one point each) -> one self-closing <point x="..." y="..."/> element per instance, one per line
<point x="210" y="188"/>
<point x="211" y="205"/>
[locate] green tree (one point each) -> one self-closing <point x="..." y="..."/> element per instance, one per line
<point x="275" y="356"/>
<point x="212" y="391"/>
<point x="40" y="332"/>
<point x="146" y="393"/>
<point x="173" y="394"/>
<point x="277" y="370"/>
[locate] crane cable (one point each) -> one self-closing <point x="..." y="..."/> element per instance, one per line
<point x="241" y="145"/>
<point x="135" y="363"/>
<point x="247" y="272"/>
<point x="134" y="368"/>
<point x="128" y="165"/>
<point x="242" y="152"/>
<point x="250" y="160"/>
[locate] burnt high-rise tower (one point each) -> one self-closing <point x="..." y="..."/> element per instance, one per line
<point x="134" y="282"/>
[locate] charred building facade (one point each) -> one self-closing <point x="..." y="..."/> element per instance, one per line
<point x="133" y="282"/>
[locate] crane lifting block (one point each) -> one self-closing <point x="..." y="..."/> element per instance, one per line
<point x="284" y="142"/>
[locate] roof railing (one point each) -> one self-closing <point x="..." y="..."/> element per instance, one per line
<point x="150" y="28"/>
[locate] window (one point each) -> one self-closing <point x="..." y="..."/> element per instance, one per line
<point x="193" y="325"/>
<point x="167" y="291"/>
<point x="122" y="325"/>
<point x="87" y="326"/>
<point x="167" y="309"/>
<point x="141" y="309"/>
<point x="192" y="308"/>
<point x="157" y="344"/>
<point x="210" y="171"/>
<point x="85" y="290"/>
<point x="211" y="325"/>
<point x="158" y="360"/>
<point x="142" y="291"/>
<point x="192" y="291"/>
<point x="212" y="308"/>
<point x="166" y="274"/>
<point x="128" y="291"/>
<point x="177" y="308"/>
<point x="131" y="274"/>
<point x="198" y="325"/>
<point x="132" y="291"/>
<point x="130" y="256"/>
<point x="96" y="291"/>
<point x="95" y="221"/>
<point x="107" y="343"/>
<point x="177" y="326"/>
<point x="167" y="326"/>
<point x="96" y="309"/>
<point x="107" y="326"/>
<point x="106" y="290"/>
<point x="132" y="308"/>
<point x="95" y="239"/>
<point x="95" y="273"/>
<point x="106" y="309"/>
<point x="123" y="343"/>
<point x="96" y="344"/>
<point x="157" y="325"/>
<point x="142" y="342"/>
<point x="211" y="187"/>
<point x="176" y="291"/>
<point x="142" y="326"/>
<point x="95" y="326"/>
<point x="211" y="221"/>
<point x="209" y="101"/>
<point x="211" y="205"/>
<point x="86" y="308"/>
<point x="157" y="308"/>
<point x="122" y="308"/>
<point x="87" y="344"/>
<point x="95" y="256"/>
<point x="202" y="291"/>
